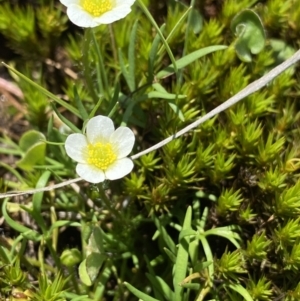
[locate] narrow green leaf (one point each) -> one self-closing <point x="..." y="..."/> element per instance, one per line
<point x="171" y="255"/>
<point x="95" y="108"/>
<point x="161" y="286"/>
<point x="65" y="120"/>
<point x="131" y="57"/>
<point x="13" y="171"/>
<point x="186" y="232"/>
<point x="124" y="69"/>
<point x="182" y="257"/>
<point x="114" y="101"/>
<point x="4" y="256"/>
<point x="192" y="286"/>
<point x="44" y="91"/>
<point x="189" y="58"/>
<point x="156" y="94"/>
<point x="88" y="34"/>
<point x="63" y="223"/>
<point x="177" y="25"/>
<point x="101" y="70"/>
<point x="16" y="226"/>
<point x="226" y="232"/>
<point x="153" y="54"/>
<point x="165" y="43"/>
<point x="37" y="201"/>
<point x="208" y="255"/>
<point x="82" y="111"/>
<point x="176" y="110"/>
<point x="139" y="294"/>
<point x="241" y="290"/>
<point x="165" y="236"/>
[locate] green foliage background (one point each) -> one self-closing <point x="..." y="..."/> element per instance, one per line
<point x="216" y="211"/>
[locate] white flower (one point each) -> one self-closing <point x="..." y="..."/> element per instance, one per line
<point x="101" y="153"/>
<point x="91" y="13"/>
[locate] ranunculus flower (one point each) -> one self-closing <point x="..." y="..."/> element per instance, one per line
<point x="101" y="153"/>
<point x="91" y="13"/>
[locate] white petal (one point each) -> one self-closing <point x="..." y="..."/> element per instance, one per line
<point x="122" y="140"/>
<point x="80" y="17"/>
<point x="113" y="15"/>
<point x="99" y="129"/>
<point x="90" y="173"/>
<point x="124" y="2"/>
<point x="69" y="2"/>
<point x="119" y="169"/>
<point x="75" y="146"/>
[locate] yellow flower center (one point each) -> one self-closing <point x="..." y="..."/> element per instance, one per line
<point x="97" y="7"/>
<point x="101" y="155"/>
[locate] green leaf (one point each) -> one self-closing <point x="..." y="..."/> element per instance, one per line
<point x="165" y="236"/>
<point x="161" y="92"/>
<point x="139" y="294"/>
<point x="251" y="35"/>
<point x="227" y="233"/>
<point x="196" y="21"/>
<point x="161" y="287"/>
<point x="182" y="257"/>
<point x="37" y="201"/>
<point x="131" y="57"/>
<point x="166" y="45"/>
<point x="82" y="111"/>
<point x="163" y="95"/>
<point x="44" y="91"/>
<point x="241" y="290"/>
<point x="114" y="101"/>
<point x="101" y="69"/>
<point x="153" y="53"/>
<point x="83" y="274"/>
<point x="187" y="232"/>
<point x="63" y="223"/>
<point x="94" y="263"/>
<point x="171" y="255"/>
<point x="188" y="59"/>
<point x="18" y="227"/>
<point x="65" y="120"/>
<point x="208" y="254"/>
<point x="95" y="243"/>
<point x="124" y="68"/>
<point x="32" y="143"/>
